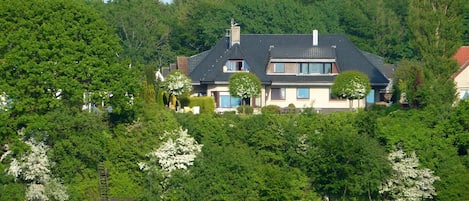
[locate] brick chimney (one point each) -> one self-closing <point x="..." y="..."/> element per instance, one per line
<point x="235" y="37"/>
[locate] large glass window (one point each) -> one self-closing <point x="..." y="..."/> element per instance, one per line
<point x="279" y="68"/>
<point x="277" y="94"/>
<point x="314" y="68"/>
<point x="227" y="101"/>
<point x="302" y="93"/>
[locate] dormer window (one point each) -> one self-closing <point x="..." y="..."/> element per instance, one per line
<point x="235" y="66"/>
<point x="279" y="67"/>
<point x="314" y="68"/>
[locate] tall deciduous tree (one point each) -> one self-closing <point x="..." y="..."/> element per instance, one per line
<point x="344" y="163"/>
<point x="351" y="85"/>
<point x="436" y="28"/>
<point x="143" y="28"/>
<point x="49" y="63"/>
<point x="375" y="27"/>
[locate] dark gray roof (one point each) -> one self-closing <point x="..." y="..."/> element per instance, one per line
<point x="195" y="60"/>
<point x="255" y="50"/>
<point x="388" y="70"/>
<point x="303" y="52"/>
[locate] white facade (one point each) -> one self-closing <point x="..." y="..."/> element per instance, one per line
<point x="462" y="83"/>
<point x="318" y="98"/>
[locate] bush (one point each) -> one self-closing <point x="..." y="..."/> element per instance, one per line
<point x="271" y="109"/>
<point x="184" y="100"/>
<point x="245" y="109"/>
<point x="207" y="104"/>
<point x="291" y="109"/>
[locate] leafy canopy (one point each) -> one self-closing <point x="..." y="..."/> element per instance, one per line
<point x="244" y="85"/>
<point x="48" y="63"/>
<point x="177" y="83"/>
<point x="351" y="85"/>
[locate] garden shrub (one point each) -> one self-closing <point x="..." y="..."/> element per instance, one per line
<point x="245" y="109"/>
<point x="291" y="109"/>
<point x="270" y="109"/>
<point x="207" y="104"/>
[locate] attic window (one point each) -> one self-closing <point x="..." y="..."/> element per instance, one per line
<point x="235" y="66"/>
<point x="314" y="68"/>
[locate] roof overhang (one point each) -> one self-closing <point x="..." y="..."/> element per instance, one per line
<point x="291" y="60"/>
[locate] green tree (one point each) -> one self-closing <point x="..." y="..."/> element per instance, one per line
<point x="408" y="77"/>
<point x="49" y="63"/>
<point x="143" y="27"/>
<point x="341" y="162"/>
<point x="244" y="85"/>
<point x="351" y="85"/>
<point x="436" y="28"/>
<point x="407" y="181"/>
<point x="375" y="27"/>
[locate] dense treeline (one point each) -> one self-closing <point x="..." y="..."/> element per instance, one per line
<point x="54" y="135"/>
<point x="259" y="157"/>
<point x="154" y="33"/>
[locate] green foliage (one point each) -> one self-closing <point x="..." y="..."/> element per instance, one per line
<point x="143" y="36"/>
<point x="351" y="85"/>
<point x="270" y="109"/>
<point x="47" y="46"/>
<point x="176" y="83"/>
<point x="245" y="109"/>
<point x="344" y="163"/>
<point x="48" y="63"/>
<point x="244" y="85"/>
<point x="431" y="133"/>
<point x="206" y="104"/>
<point x="374" y="26"/>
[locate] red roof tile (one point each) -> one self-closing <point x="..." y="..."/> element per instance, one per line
<point x="462" y="55"/>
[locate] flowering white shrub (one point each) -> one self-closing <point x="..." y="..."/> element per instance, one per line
<point x="179" y="153"/>
<point x="177" y="83"/>
<point x="351" y="85"/>
<point x="357" y="89"/>
<point x="408" y="182"/>
<point x="34" y="168"/>
<point x="244" y="85"/>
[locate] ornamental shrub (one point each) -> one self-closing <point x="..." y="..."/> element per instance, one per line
<point x="207" y="104"/>
<point x="245" y="109"/>
<point x="271" y="109"/>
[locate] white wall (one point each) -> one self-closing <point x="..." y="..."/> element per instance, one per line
<point x="319" y="98"/>
<point x="462" y="80"/>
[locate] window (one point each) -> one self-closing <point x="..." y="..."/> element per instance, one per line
<point x="236" y="65"/>
<point x="227" y="101"/>
<point x="303" y="68"/>
<point x="464" y="94"/>
<point x="314" y="68"/>
<point x="279" y="68"/>
<point x="370" y="98"/>
<point x="277" y="93"/>
<point x="302" y="93"/>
